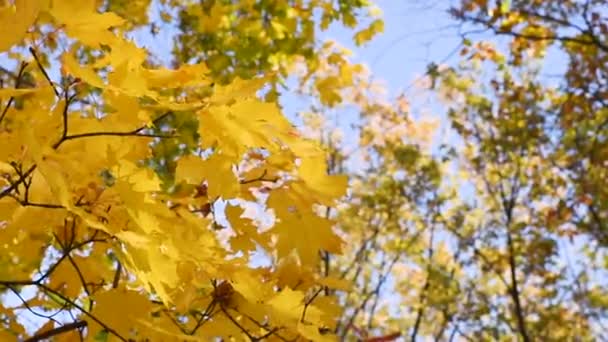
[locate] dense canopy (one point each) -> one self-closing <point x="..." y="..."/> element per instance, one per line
<point x="154" y="185"/>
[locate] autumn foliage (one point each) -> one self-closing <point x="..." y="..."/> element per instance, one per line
<point x="152" y="189"/>
<point x="95" y="244"/>
<point x="497" y="231"/>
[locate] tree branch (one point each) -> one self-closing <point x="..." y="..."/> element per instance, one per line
<point x="57" y="331"/>
<point x="82" y="310"/>
<point x="43" y="70"/>
<point x="17" y="84"/>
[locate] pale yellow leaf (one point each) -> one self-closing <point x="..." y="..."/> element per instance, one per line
<point x="15" y="20"/>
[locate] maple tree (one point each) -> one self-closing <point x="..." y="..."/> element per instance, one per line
<point x="116" y="171"/>
<point x="499" y="232"/>
<point x="137" y="195"/>
<point x="395" y="198"/>
<point x="533" y="151"/>
<point x="246" y="38"/>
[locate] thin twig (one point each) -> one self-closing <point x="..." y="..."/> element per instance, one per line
<point x="260" y="179"/>
<point x="81" y="309"/>
<point x="29" y="308"/>
<point x="17" y="84"/>
<point x="26" y="203"/>
<point x="43" y="70"/>
<point x="238" y="325"/>
<point x="116" y="279"/>
<point x="117" y="134"/>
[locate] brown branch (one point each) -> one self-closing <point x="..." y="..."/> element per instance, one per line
<point x="238" y="325"/>
<point x="133" y="133"/>
<point x="326" y="257"/>
<point x="425" y="288"/>
<point x="27" y="203"/>
<point x="515" y="293"/>
<point x="31" y="310"/>
<point x="17" y="84"/>
<point x="9" y="283"/>
<point x="361" y="250"/>
<point x="80" y="275"/>
<point x="271" y="331"/>
<point x="8" y="73"/>
<point x="67" y="99"/>
<point x="508" y="204"/>
<point x="553" y="37"/>
<point x="57" y="331"/>
<point x="116" y="279"/>
<point x="63" y="257"/>
<point x="117" y="134"/>
<point x="375" y="292"/>
<point x="589" y="31"/>
<point x="309" y="302"/>
<point x="66" y="137"/>
<point x="14" y="185"/>
<point x="482" y="257"/>
<point x="204" y="317"/>
<point x="260" y="179"/>
<point x="175" y="321"/>
<point x="24" y="176"/>
<point x="447" y="315"/>
<point x="43" y="70"/>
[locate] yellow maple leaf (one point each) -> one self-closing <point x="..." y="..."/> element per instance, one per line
<point x="257" y="124"/>
<point x="250" y="287"/>
<point x="54" y="168"/>
<point x="247" y="234"/>
<point x="82" y="21"/>
<point x="16" y="19"/>
<point x="49" y="164"/>
<point x="65" y="280"/>
<point x="217" y="170"/>
<point x="155" y="270"/>
<point x="288" y="305"/>
<point x="336" y="283"/>
<point x="128" y="77"/>
<point x="127" y="114"/>
<point x="185" y="76"/>
<point x="142" y="179"/>
<point x="86" y="74"/>
<point x="165" y="330"/>
<point x="324" y="188"/>
<point x="301" y="231"/>
<point x="237" y="90"/>
<point x="132" y="306"/>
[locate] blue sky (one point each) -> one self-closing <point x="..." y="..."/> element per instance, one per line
<point x="414" y="35"/>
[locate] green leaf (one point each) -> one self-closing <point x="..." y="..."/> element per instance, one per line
<point x="101" y="336"/>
